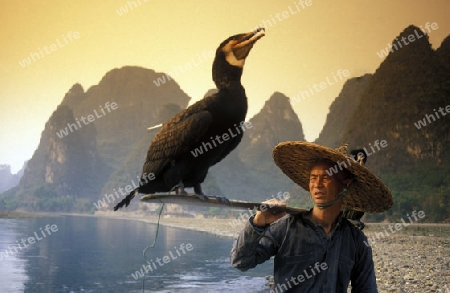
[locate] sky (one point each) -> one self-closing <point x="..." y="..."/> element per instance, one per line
<point x="50" y="45"/>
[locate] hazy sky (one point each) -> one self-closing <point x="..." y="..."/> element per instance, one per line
<point x="80" y="41"/>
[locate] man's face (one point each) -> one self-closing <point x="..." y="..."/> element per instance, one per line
<point x="324" y="188"/>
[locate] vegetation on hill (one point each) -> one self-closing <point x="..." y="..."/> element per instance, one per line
<point x="410" y="84"/>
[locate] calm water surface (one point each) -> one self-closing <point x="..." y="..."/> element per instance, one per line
<point x="88" y="254"/>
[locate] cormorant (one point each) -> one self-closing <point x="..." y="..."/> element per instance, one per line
<point x="360" y="156"/>
<point x="170" y="156"/>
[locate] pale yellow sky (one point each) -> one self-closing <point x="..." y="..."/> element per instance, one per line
<point x="303" y="46"/>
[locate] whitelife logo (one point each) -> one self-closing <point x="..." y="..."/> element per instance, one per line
<point x="398" y="226"/>
<point x="153" y="265"/>
<point x="143" y="179"/>
<point x="176" y="71"/>
<point x="411" y="38"/>
<point x="131" y="5"/>
<point x="206" y="146"/>
<point x="354" y="159"/>
<point x="86" y="120"/>
<point x="423" y="123"/>
<point x="24" y="243"/>
<point x="317" y="88"/>
<point x="33" y="56"/>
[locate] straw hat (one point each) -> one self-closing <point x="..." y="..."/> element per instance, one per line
<point x="366" y="192"/>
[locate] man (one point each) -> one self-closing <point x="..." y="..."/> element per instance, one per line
<point x="316" y="250"/>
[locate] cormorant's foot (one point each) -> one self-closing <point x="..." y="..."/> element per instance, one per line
<point x="199" y="192"/>
<point x="198" y="189"/>
<point x="179" y="189"/>
<point x="223" y="199"/>
<point x="201" y="196"/>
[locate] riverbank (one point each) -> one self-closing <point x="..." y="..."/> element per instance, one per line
<point x="415" y="259"/>
<point x="22" y="215"/>
<point x="218" y="227"/>
<point x="231" y="227"/>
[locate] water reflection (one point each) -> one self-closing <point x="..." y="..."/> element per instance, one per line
<point x="12" y="267"/>
<point x="101" y="255"/>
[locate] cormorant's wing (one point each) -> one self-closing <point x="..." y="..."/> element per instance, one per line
<point x="177" y="137"/>
<point x="231" y="146"/>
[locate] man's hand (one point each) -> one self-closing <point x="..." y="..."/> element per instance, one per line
<point x="264" y="217"/>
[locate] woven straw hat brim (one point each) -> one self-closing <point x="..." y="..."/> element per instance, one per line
<point x="366" y="192"/>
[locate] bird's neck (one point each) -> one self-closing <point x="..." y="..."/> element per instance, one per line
<point x="228" y="85"/>
<point x="233" y="91"/>
<point x="234" y="96"/>
<point x="226" y="75"/>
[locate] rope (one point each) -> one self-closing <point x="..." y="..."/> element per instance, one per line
<point x="340" y="196"/>
<point x="156" y="236"/>
<point x="151" y="246"/>
<point x="328" y="204"/>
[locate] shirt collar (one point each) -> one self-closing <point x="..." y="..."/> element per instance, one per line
<point x="306" y="216"/>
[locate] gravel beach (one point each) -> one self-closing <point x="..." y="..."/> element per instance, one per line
<point x="416" y="259"/>
<point x="412" y="262"/>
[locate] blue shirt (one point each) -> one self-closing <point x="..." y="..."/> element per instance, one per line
<point x="306" y="260"/>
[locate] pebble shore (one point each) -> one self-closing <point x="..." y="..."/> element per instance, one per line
<point x="412" y="263"/>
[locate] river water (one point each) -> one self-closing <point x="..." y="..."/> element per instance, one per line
<point x="89" y="254"/>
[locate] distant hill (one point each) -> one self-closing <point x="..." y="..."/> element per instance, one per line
<point x="132" y="165"/>
<point x="443" y="54"/>
<point x="402" y="105"/>
<point x="410" y="84"/>
<point x="249" y="173"/>
<point x="89" y="136"/>
<point x="7" y="179"/>
<point x="341" y="110"/>
<point x="138" y="100"/>
<point x="63" y="169"/>
<point x="398" y="104"/>
<point x="275" y="123"/>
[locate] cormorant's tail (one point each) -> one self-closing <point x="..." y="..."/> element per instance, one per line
<point x="126" y="201"/>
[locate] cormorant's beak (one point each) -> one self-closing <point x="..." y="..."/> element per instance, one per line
<point x="245" y="43"/>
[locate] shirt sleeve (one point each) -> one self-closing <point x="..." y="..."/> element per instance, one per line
<point x="363" y="274"/>
<point x="253" y="246"/>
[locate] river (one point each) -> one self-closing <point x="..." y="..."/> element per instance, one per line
<point x="90" y="254"/>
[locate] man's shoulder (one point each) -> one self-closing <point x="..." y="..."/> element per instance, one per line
<point x="356" y="233"/>
<point x="289" y="223"/>
<point x="283" y="220"/>
<point x="289" y="219"/>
